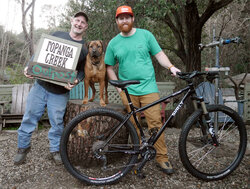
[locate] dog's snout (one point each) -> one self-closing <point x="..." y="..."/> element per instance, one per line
<point x="95" y="49"/>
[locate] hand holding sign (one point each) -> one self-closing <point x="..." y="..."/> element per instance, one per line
<point x="70" y="86"/>
<point x="25" y="72"/>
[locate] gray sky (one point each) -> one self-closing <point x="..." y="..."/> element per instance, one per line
<point x="10" y="14"/>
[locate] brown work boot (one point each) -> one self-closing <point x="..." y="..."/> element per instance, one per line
<point x="165" y="167"/>
<point x="20" y="157"/>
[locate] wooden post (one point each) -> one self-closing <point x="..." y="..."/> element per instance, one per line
<point x="85" y="134"/>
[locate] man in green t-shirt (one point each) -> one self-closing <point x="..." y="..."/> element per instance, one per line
<point x="132" y="49"/>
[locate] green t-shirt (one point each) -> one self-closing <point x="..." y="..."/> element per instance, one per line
<point x="133" y="54"/>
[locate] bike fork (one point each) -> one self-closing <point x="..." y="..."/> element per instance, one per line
<point x="211" y="128"/>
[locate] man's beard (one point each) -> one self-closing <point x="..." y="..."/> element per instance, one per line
<point x="78" y="31"/>
<point x="126" y="28"/>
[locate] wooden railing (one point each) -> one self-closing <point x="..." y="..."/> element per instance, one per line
<point x="78" y="91"/>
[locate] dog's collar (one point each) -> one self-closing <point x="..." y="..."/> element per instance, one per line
<point x="95" y="63"/>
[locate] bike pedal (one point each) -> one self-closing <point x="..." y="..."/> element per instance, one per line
<point x="153" y="131"/>
<point x="139" y="174"/>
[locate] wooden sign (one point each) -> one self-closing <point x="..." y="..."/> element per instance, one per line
<point x="50" y="73"/>
<point x="55" y="60"/>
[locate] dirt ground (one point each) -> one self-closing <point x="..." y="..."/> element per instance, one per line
<point x="40" y="172"/>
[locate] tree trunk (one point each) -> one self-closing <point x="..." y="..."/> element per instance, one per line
<point x="82" y="138"/>
<point x="32" y="28"/>
<point x="4" y="52"/>
<point x="193" y="37"/>
<point x="28" y="36"/>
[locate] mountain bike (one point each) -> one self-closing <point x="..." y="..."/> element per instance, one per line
<point x="100" y="146"/>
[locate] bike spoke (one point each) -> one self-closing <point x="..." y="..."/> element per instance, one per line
<point x="195" y="152"/>
<point x="200" y="160"/>
<point x="225" y="134"/>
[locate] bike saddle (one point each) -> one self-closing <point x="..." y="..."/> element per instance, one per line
<point x="122" y="84"/>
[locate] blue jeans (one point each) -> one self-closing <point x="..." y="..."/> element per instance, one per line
<point x="38" y="99"/>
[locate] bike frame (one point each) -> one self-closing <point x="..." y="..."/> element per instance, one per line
<point x="189" y="91"/>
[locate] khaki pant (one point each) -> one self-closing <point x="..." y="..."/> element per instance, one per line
<point x="153" y="118"/>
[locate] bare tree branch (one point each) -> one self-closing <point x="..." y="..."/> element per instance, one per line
<point x="241" y="82"/>
<point x="212" y="7"/>
<point x="237" y="85"/>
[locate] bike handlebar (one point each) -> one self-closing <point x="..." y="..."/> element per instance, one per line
<point x="191" y="75"/>
<point x="221" y="42"/>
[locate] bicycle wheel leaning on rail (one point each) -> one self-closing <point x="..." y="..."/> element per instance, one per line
<point x="200" y="157"/>
<point x="90" y="155"/>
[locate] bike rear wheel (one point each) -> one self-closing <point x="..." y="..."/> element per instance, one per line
<point x="89" y="152"/>
<point x="197" y="152"/>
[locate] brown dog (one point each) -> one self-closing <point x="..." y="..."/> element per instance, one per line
<point x="95" y="72"/>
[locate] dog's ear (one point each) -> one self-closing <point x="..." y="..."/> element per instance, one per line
<point x="101" y="43"/>
<point x="104" y="45"/>
<point x="88" y="44"/>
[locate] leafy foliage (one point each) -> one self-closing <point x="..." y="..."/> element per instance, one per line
<point x="16" y="75"/>
<point x="156" y="16"/>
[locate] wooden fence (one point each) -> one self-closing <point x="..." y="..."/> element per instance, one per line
<point x="246" y="112"/>
<point x="6" y="95"/>
<point x="78" y="93"/>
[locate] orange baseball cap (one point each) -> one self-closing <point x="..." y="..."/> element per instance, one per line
<point x="124" y="10"/>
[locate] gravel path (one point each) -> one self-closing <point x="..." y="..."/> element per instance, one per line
<point x="40" y="172"/>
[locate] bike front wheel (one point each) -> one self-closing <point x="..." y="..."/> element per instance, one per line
<point x="197" y="152"/>
<point x="98" y="147"/>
